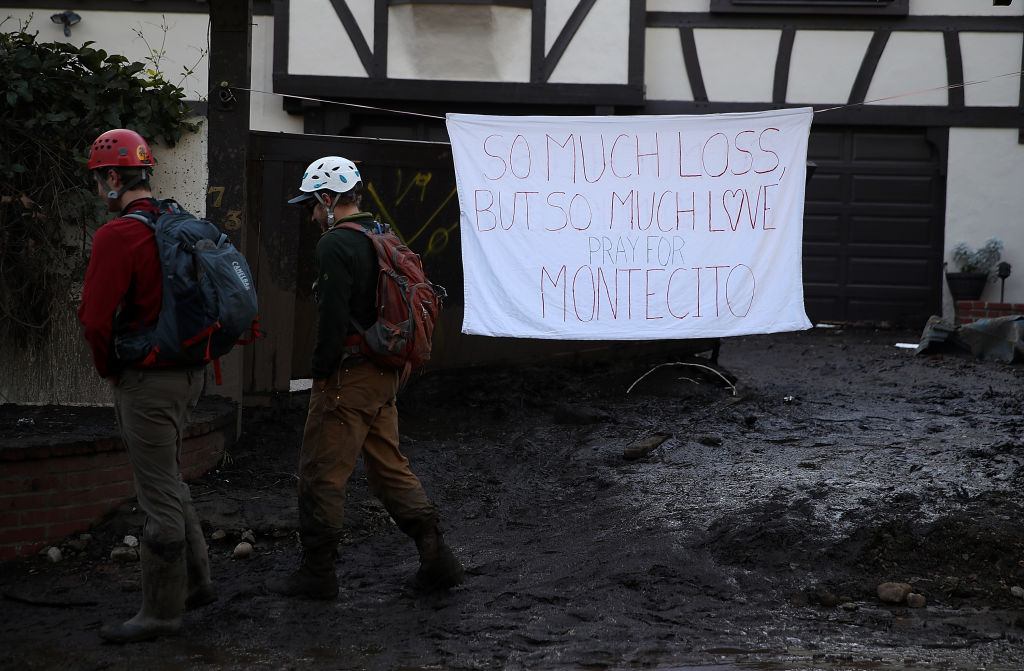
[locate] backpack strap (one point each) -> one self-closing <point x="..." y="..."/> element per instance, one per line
<point x="145" y="216"/>
<point x="371" y="228"/>
<point x="149" y="217"/>
<point x="350" y="347"/>
<point x="170" y="205"/>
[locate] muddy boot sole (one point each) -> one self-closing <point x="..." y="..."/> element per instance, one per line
<point x="440" y="573"/>
<point x="125" y="632"/>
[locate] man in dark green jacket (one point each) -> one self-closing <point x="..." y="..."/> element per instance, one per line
<point x="352" y="402"/>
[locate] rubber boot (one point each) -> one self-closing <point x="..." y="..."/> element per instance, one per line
<point x="315" y="578"/>
<point x="163" y="595"/>
<point x="200" y="588"/>
<point x="439" y="567"/>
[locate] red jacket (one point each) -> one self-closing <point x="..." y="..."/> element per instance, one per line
<point x="123" y="285"/>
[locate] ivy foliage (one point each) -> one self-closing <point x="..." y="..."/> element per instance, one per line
<point x="56" y="99"/>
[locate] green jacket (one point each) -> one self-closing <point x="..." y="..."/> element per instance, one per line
<point x="346" y="288"/>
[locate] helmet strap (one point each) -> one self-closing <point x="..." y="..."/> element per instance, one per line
<point x="328" y="208"/>
<point x="113" y="194"/>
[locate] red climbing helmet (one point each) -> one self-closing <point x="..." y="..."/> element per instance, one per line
<point x="120" y="147"/>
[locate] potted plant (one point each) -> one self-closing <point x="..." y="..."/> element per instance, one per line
<point x="975" y="266"/>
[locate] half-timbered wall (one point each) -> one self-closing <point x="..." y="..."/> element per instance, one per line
<point x="889" y="69"/>
<point x="515" y="51"/>
<point x="910" y="158"/>
<point x="894" y="65"/>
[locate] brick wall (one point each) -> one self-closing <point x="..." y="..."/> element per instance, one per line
<point x="50" y="492"/>
<point x="968" y="312"/>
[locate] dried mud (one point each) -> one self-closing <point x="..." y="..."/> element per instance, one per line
<point x="752" y="537"/>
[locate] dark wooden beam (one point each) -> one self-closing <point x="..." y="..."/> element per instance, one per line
<point x="228" y="114"/>
<point x="227" y="152"/>
<point x="954" y="69"/>
<point x="781" y="82"/>
<point x="868" y="66"/>
<point x="355" y="35"/>
<point x="692" y="63"/>
<point x="561" y="43"/>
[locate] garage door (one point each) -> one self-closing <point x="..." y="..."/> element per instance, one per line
<point x="873" y="226"/>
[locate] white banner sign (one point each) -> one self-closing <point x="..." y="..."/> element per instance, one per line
<point x="632" y="228"/>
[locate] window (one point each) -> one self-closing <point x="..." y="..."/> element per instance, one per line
<point x="883" y="7"/>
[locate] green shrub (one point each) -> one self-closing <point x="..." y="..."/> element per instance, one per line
<point x="57" y="98"/>
<point x="981" y="260"/>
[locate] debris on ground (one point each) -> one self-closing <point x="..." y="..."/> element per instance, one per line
<point x="759" y="540"/>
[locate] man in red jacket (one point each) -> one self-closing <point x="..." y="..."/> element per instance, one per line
<point x="122" y="293"/>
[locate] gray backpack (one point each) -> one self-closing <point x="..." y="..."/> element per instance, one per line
<point x="209" y="299"/>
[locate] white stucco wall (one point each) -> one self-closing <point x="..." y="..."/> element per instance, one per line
<point x="181" y="171"/>
<point x="487" y="43"/>
<point x="824" y="65"/>
<point x="265" y="109"/>
<point x="678" y="5"/>
<point x="318" y="26"/>
<point x="664" y="70"/>
<point x="992" y="60"/>
<point x="984" y="198"/>
<point x="597" y="53"/>
<point x="737" y="65"/>
<point x="911" y="71"/>
<point x="963" y="8"/>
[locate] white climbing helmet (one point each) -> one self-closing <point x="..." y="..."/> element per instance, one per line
<point x="333" y="173"/>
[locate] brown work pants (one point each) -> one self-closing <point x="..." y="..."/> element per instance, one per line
<point x="355" y="413"/>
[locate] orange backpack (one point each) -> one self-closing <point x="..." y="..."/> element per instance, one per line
<point x="408" y="305"/>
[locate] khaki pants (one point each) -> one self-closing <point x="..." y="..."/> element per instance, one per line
<point x="355" y="413"/>
<point x="152" y="407"/>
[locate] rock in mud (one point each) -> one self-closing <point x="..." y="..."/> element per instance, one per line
<point x="645" y="446"/>
<point x="242" y="550"/>
<point x="54" y="554"/>
<point x="915" y="600"/>
<point x="827" y="598"/>
<point x="893" y="592"/>
<point x="124" y="554"/>
<point x="77" y="544"/>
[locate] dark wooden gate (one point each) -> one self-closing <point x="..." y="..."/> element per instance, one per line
<point x="410" y="185"/>
<point x="873" y="226"/>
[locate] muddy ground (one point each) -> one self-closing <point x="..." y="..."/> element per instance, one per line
<point x="753" y="537"/>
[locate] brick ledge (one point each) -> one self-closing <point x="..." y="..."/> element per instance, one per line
<point x="968" y="312"/>
<point x="48" y="492"/>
